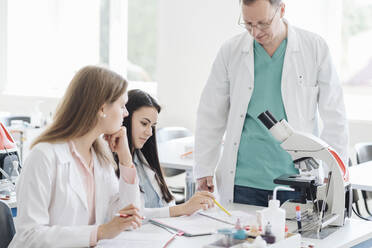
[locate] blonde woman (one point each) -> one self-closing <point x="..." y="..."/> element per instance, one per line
<point x="68" y="193"/>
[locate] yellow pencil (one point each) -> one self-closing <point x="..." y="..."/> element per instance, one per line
<point x="222" y="208"/>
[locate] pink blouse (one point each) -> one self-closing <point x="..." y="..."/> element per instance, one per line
<point x="87" y="176"/>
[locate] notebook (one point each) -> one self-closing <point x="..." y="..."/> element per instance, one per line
<point x="201" y="223"/>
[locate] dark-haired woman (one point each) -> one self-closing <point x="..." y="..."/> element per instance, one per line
<point x="155" y="195"/>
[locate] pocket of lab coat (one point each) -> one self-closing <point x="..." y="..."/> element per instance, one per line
<point x="308" y="96"/>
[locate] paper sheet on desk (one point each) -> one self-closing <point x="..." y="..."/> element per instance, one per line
<point x="194" y="225"/>
<point x="217" y="214"/>
<point x="203" y="223"/>
<point x="135" y="239"/>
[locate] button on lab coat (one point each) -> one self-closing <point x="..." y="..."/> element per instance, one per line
<point x="310" y="88"/>
<point x="52" y="203"/>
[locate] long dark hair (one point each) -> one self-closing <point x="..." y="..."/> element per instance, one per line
<point x="136" y="100"/>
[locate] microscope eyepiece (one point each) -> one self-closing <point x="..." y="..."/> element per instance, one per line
<point x="267" y="119"/>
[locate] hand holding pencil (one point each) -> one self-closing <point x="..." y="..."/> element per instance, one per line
<point x="127" y="218"/>
<point x="200" y="200"/>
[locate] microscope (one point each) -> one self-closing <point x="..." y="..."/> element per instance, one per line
<point x="328" y="198"/>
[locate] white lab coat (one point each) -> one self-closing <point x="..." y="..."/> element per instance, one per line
<point x="310" y="87"/>
<point x="52" y="203"/>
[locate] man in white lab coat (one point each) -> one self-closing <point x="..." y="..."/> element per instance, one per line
<point x="273" y="66"/>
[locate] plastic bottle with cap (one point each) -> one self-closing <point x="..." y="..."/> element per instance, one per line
<point x="14" y="172"/>
<point x="239" y="231"/>
<point x="275" y="215"/>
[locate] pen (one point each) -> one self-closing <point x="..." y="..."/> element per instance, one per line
<point x="222" y="208"/>
<point x="186" y="154"/>
<point x="172" y="238"/>
<point x="298" y="218"/>
<point x="126" y="215"/>
<point x="122" y="215"/>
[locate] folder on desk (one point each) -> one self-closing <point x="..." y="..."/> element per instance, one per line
<point x="202" y="223"/>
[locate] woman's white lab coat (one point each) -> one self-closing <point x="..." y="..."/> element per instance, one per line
<point x="310" y="87"/>
<point x="52" y="203"/>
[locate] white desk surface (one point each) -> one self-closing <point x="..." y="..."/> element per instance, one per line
<point x="12" y="202"/>
<point x="170" y="153"/>
<point x="361" y="176"/>
<point x="353" y="233"/>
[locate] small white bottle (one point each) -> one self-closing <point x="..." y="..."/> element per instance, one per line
<point x="275" y="215"/>
<point x="37" y="116"/>
<point x="14" y="172"/>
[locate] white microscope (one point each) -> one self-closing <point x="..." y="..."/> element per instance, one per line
<point x="330" y="198"/>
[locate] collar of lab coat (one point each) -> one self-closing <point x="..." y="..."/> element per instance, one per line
<point x="64" y="158"/>
<point x="63" y="153"/>
<point x="292" y="43"/>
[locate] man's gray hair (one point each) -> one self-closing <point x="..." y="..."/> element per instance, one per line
<point x="272" y="2"/>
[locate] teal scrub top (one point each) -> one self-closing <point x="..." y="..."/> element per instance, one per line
<point x="260" y="158"/>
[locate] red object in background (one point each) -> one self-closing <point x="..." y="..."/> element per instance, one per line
<point x="6" y="141"/>
<point x="5" y="198"/>
<point x="344" y="170"/>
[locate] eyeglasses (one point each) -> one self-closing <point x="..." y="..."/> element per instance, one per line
<point x="260" y="26"/>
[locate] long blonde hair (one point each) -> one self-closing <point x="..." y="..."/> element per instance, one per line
<point x="76" y="115"/>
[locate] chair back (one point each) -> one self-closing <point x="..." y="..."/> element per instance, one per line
<point x="363" y="152"/>
<point x="169" y="133"/>
<point x="355" y="191"/>
<point x="7" y="229"/>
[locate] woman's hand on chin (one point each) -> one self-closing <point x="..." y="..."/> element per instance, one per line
<point x="118" y="143"/>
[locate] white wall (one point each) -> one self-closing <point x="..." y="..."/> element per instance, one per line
<point x="189" y="36"/>
<point x="319" y="16"/>
<point x="3" y="42"/>
<point x="26" y="105"/>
